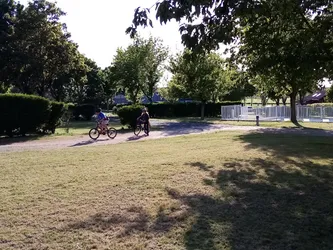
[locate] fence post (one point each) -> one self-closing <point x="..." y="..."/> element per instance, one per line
<point x="257" y="120"/>
<point x="321" y="112"/>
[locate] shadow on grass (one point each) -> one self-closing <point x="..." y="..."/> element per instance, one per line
<point x="21" y="139"/>
<point x="282" y="202"/>
<point x="131" y="221"/>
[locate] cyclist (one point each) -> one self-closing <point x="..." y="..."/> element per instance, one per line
<point x="102" y="120"/>
<point x="144" y="118"/>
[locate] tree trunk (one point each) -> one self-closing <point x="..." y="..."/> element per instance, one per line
<point x="293" y="115"/>
<point x="284" y="100"/>
<point x="277" y="102"/>
<point x="107" y="104"/>
<point x="202" y="110"/>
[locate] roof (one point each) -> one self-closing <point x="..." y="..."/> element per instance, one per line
<point x="319" y="95"/>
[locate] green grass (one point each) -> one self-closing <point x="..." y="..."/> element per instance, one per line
<point x="216" y="191"/>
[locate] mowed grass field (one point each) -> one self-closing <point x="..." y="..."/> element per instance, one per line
<point x="215" y="191"/>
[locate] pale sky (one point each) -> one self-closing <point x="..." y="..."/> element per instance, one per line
<point x="98" y="26"/>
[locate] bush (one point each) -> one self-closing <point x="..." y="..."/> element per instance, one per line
<point x="186" y="109"/>
<point x="22" y="113"/>
<point x="58" y="109"/>
<point x="84" y="110"/>
<point x="129" y="114"/>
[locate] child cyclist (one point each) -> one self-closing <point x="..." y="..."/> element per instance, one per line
<point x="102" y="120"/>
<point x="144" y="118"/>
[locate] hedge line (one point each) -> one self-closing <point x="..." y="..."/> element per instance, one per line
<point x="129" y="113"/>
<point x="21" y="114"/>
<point x="163" y="110"/>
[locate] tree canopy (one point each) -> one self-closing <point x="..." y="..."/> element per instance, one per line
<point x="289" y="42"/>
<point x="139" y="67"/>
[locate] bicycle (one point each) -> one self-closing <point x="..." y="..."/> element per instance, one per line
<point x="94" y="133"/>
<point x="140" y="126"/>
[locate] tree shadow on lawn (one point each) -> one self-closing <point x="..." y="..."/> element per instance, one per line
<point x="281" y="202"/>
<point x="263" y="206"/>
<point x="128" y="222"/>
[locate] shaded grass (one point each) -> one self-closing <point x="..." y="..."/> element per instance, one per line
<point x="216" y="191"/>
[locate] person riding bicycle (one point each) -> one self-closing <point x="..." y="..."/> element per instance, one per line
<point x="102" y="120"/>
<point x="144" y="119"/>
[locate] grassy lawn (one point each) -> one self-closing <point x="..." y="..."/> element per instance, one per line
<point x="215" y="191"/>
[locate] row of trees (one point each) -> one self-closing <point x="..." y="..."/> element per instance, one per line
<point x="287" y="45"/>
<point x="37" y="56"/>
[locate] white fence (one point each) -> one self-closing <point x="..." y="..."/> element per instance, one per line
<point x="277" y="113"/>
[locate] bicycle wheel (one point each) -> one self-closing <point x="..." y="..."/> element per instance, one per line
<point x="112" y="133"/>
<point x="137" y="130"/>
<point x="94" y="133"/>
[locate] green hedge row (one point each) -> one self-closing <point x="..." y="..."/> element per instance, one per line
<point x="21" y="114"/>
<point x="162" y="110"/>
<point x="129" y="113"/>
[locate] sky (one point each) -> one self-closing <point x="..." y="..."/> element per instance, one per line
<point x="98" y="26"/>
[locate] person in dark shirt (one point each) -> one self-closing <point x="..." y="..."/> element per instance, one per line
<point x="144" y="118"/>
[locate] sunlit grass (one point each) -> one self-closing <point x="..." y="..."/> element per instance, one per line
<point x="213" y="191"/>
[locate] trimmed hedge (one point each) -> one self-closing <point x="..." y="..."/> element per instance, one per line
<point x="58" y="109"/>
<point x="22" y="113"/>
<point x="129" y="114"/>
<point x="161" y="110"/>
<point x="84" y="110"/>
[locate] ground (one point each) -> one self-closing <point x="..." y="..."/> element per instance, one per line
<point x="245" y="189"/>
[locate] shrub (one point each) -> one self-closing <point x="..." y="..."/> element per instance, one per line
<point x="129" y="114"/>
<point x="23" y="113"/>
<point x="186" y="109"/>
<point x="58" y="109"/>
<point x="329" y="96"/>
<point x="84" y="110"/>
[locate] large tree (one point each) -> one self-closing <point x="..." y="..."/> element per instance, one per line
<point x="139" y="67"/>
<point x="36" y="48"/>
<point x="290" y="41"/>
<point x="196" y="76"/>
<point x="152" y="67"/>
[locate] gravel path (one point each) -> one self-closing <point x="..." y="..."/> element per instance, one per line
<point x="168" y="129"/>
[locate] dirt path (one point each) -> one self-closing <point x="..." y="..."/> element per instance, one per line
<point x="169" y="129"/>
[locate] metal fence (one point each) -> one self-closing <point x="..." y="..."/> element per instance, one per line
<point x="277" y="113"/>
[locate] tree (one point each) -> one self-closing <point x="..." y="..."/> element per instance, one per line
<point x="289" y="41"/>
<point x="329" y="96"/>
<point x="286" y="52"/>
<point x="138" y="68"/>
<point x="195" y="76"/>
<point x="152" y="66"/>
<point x="109" y="84"/>
<point x="36" y="47"/>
